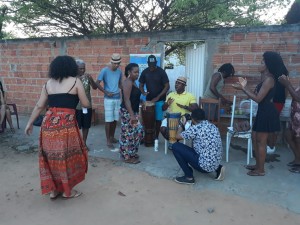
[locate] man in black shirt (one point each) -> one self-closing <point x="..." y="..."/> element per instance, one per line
<point x="157" y="84"/>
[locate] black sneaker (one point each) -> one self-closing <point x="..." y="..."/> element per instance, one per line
<point x="220" y="173"/>
<point x="184" y="180"/>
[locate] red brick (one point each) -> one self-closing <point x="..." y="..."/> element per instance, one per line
<point x="251" y="37"/>
<point x="234" y="48"/>
<point x="256" y="48"/>
<point x="238" y="37"/>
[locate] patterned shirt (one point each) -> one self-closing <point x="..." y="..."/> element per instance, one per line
<point x="87" y="89"/>
<point x="207" y="143"/>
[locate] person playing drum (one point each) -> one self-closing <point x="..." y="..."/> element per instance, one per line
<point x="178" y="101"/>
<point x="157" y="84"/>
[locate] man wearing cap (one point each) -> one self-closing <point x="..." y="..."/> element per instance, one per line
<point x="178" y="101"/>
<point x="157" y="84"/>
<point x="111" y="78"/>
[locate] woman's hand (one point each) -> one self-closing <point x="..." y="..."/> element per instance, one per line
<point x="284" y="80"/>
<point x="133" y="120"/>
<point x="243" y="82"/>
<point x="237" y="86"/>
<point x="28" y="129"/>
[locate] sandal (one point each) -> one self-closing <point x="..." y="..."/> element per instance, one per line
<point x="54" y="195"/>
<point x="75" y="194"/>
<point x="12" y="130"/>
<point x="136" y="156"/>
<point x="250" y="167"/>
<point x="255" y="173"/>
<point x="114" y="140"/>
<point x="132" y="161"/>
<point x="295" y="169"/>
<point x="111" y="146"/>
<point x="292" y="164"/>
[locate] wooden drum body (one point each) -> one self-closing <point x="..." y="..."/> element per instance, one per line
<point x="148" y="116"/>
<point x="173" y="122"/>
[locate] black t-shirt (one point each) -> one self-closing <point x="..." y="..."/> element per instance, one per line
<point x="155" y="82"/>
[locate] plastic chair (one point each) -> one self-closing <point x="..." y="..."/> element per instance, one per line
<point x="211" y="108"/>
<point x="245" y="134"/>
<point x="14" y="111"/>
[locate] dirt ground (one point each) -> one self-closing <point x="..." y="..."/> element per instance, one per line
<point x="118" y="195"/>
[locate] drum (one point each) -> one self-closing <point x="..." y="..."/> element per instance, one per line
<point x="173" y="121"/>
<point x="148" y="117"/>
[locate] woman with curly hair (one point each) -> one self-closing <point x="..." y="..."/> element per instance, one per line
<point x="62" y="152"/>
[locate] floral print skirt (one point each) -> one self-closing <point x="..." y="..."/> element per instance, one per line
<point x="62" y="153"/>
<point x="130" y="137"/>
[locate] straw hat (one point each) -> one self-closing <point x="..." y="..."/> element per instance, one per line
<point x="115" y="58"/>
<point x="181" y="80"/>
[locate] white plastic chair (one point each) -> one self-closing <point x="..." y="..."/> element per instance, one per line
<point x="245" y="134"/>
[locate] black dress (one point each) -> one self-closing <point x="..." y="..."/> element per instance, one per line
<point x="267" y="117"/>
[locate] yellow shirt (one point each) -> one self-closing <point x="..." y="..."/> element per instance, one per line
<point x="185" y="99"/>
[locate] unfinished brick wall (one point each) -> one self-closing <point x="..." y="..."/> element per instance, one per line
<point x="245" y="50"/>
<point x="24" y="63"/>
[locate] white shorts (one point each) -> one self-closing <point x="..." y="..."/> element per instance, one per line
<point x="111" y="109"/>
<point x="164" y="123"/>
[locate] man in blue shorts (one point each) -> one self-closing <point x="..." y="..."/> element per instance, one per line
<point x="157" y="84"/>
<point x="111" y="77"/>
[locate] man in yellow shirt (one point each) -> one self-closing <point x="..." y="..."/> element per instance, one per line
<point x="178" y="101"/>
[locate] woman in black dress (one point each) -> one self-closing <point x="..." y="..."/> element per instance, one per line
<point x="267" y="117"/>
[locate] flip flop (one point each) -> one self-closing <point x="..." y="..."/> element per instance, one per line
<point x="75" y="194"/>
<point x="250" y="167"/>
<point x="111" y="146"/>
<point x="292" y="164"/>
<point x="295" y="170"/>
<point x="132" y="161"/>
<point x="54" y="196"/>
<point x="255" y="173"/>
<point x="12" y="130"/>
<point x="114" y="140"/>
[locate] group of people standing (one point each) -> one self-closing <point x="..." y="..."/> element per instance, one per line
<point x="63" y="150"/>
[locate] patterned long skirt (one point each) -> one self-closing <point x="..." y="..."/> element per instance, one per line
<point x="62" y="153"/>
<point x="130" y="136"/>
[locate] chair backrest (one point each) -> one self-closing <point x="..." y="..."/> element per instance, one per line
<point x="233" y="109"/>
<point x="211" y="108"/>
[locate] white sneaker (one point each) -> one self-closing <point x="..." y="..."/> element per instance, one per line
<point x="270" y="150"/>
<point x="156" y="145"/>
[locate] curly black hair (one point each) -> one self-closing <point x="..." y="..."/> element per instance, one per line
<point x="62" y="67"/>
<point x="275" y="64"/>
<point x="227" y="69"/>
<point x="129" y="67"/>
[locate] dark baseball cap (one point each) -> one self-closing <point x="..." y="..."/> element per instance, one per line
<point x="151" y="59"/>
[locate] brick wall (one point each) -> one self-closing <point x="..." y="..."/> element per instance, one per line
<point x="24" y="62"/>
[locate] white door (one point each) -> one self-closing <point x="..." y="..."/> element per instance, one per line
<point x="194" y="69"/>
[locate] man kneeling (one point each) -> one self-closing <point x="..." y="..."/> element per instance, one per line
<point x="206" y="154"/>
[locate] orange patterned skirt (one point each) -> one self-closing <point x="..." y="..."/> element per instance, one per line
<point x="62" y="154"/>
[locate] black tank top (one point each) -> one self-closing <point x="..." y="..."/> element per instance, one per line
<point x="134" y="99"/>
<point x="63" y="100"/>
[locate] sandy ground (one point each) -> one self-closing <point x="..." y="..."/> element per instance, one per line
<point x="114" y="194"/>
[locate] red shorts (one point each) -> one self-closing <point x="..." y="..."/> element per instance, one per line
<point x="279" y="106"/>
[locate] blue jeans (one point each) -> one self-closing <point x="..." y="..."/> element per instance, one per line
<point x="186" y="157"/>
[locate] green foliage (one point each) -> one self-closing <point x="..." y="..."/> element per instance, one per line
<point x="84" y="17"/>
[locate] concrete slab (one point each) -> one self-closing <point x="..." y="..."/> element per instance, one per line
<point x="279" y="186"/>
